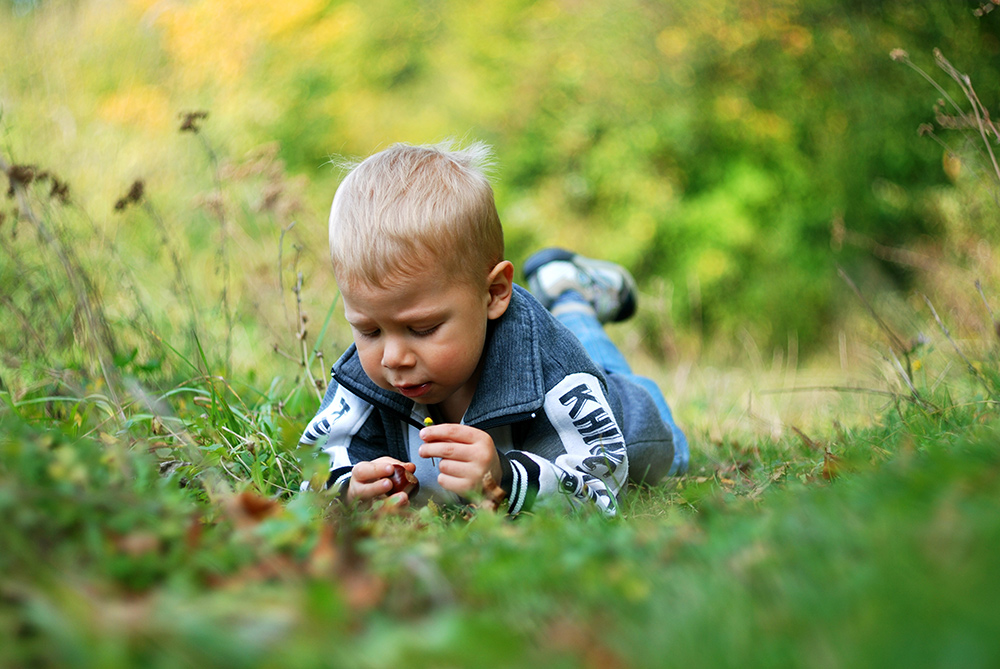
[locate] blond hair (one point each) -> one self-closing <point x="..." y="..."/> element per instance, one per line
<point x="408" y="205"/>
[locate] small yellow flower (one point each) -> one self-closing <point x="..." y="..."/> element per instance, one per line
<point x="428" y="421"/>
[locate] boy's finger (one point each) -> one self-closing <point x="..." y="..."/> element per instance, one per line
<point x="461" y="470"/>
<point x="365" y="492"/>
<point x="441" y="449"/>
<point x="383" y="467"/>
<point x="373" y="490"/>
<point x="446" y="432"/>
<point x="371" y="472"/>
<point x="457" y="484"/>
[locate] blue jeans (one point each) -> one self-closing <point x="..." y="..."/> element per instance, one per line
<point x="584" y="324"/>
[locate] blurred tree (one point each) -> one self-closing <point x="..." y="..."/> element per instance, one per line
<point x="711" y="145"/>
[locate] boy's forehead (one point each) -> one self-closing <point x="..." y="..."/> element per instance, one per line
<point x="411" y="286"/>
<point x="419" y="271"/>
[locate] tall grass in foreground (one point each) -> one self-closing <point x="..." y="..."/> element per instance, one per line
<point x="121" y="327"/>
<point x="860" y="548"/>
<point x="150" y="516"/>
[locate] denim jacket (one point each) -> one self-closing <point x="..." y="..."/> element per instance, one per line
<point x="563" y="429"/>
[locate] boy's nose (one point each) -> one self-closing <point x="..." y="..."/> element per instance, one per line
<point x="396" y="354"/>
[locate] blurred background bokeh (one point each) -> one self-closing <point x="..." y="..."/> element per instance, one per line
<point x="734" y="155"/>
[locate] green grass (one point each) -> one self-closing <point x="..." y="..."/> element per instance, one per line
<point x="151" y="518"/>
<point x="109" y="563"/>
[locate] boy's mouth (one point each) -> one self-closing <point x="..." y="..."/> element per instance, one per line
<point x="414" y="391"/>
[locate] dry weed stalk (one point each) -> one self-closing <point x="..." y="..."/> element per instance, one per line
<point x="976" y="119"/>
<point x="299" y="328"/>
<point x="897" y="348"/>
<point x="968" y="363"/>
<point x="138" y="195"/>
<point x="101" y="341"/>
<point x="191" y="122"/>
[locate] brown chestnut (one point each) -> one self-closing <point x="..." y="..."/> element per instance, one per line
<point x="403" y="481"/>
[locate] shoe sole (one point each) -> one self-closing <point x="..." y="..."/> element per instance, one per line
<point x="544" y="256"/>
<point x="539" y="258"/>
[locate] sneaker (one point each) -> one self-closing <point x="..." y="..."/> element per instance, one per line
<point x="608" y="287"/>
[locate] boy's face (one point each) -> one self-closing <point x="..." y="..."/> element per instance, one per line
<point x="422" y="336"/>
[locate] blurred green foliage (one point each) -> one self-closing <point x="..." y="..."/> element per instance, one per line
<point x="710" y="145"/>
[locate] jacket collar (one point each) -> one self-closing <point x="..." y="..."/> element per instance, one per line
<point x="510" y="384"/>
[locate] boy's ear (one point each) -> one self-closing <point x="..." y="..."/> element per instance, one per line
<point x="501" y="287"/>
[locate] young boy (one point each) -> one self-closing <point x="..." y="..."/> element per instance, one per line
<point x="464" y="378"/>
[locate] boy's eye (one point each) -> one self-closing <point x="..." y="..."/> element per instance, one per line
<point x="424" y="333"/>
<point x="367" y="334"/>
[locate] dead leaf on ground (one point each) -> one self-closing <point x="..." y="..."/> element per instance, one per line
<point x="136" y="544"/>
<point x="831" y="465"/>
<point x="574" y="637"/>
<point x="249" y="508"/>
<point x="776" y="475"/>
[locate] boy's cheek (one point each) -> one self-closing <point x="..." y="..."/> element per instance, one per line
<point x="373" y="371"/>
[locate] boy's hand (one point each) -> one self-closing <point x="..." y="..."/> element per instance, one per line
<point x="370" y="480"/>
<point x="466" y="454"/>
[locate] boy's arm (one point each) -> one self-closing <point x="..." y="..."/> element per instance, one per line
<point x="529" y="478"/>
<point x="342" y="430"/>
<point x="585" y="459"/>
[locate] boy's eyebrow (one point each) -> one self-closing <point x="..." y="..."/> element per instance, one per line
<point x="357" y="323"/>
<point x="353" y="317"/>
<point x="434" y="311"/>
<point x="428" y="314"/>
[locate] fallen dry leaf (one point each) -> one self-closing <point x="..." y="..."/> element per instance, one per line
<point x="573" y="637"/>
<point x="831" y="465"/>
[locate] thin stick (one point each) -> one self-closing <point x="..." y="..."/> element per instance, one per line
<point x="894" y="340"/>
<point x="966" y="85"/>
<point x="281" y="277"/>
<point x="909" y="383"/>
<point x="979" y="287"/>
<point x="905" y="58"/>
<point x="301" y="335"/>
<point x="968" y="363"/>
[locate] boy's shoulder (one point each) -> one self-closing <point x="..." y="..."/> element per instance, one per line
<point x="529" y="323"/>
<point x="529" y="337"/>
<point x="528" y="353"/>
